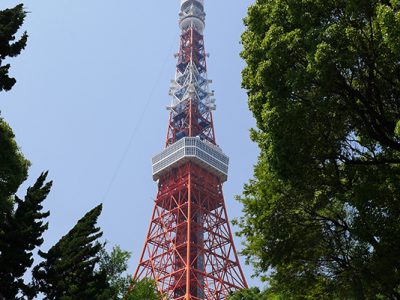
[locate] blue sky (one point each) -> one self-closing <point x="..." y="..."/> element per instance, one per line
<point x="89" y="106"/>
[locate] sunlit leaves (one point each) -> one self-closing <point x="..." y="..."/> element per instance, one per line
<point x="323" y="84"/>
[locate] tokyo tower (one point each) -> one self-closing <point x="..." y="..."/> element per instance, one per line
<point x="189" y="250"/>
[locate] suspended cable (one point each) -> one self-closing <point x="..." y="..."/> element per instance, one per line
<point x="138" y="123"/>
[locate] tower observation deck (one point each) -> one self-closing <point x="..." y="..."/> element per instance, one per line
<point x="189" y="249"/>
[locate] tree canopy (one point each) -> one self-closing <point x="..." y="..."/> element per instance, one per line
<point x="78" y="266"/>
<point x="250" y="294"/>
<point x="22" y="221"/>
<point x="143" y="289"/>
<point x="20" y="233"/>
<point x="68" y="271"/>
<point x="322" y="212"/>
<point x="13" y="168"/>
<point x="114" y="265"/>
<point x="10" y="46"/>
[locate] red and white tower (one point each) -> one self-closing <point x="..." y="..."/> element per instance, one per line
<point x="189" y="249"/>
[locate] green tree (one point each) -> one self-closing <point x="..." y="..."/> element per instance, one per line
<point x="322" y="213"/>
<point x="114" y="265"/>
<point x="145" y="289"/>
<point x="68" y="271"/>
<point x="13" y="169"/>
<point x="22" y="221"/>
<point x="250" y="294"/>
<point x="11" y="21"/>
<point x="20" y="233"/>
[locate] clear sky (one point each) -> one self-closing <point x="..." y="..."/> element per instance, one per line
<point x="89" y="106"/>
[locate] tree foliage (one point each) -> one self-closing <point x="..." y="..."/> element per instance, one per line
<point x="13" y="165"/>
<point x="250" y="294"/>
<point x="322" y="213"/>
<point x="20" y="233"/>
<point x="13" y="168"/>
<point x="77" y="267"/>
<point x="22" y="221"/>
<point x="11" y="21"/>
<point x="114" y="265"/>
<point x="68" y="271"/>
<point x="143" y="289"/>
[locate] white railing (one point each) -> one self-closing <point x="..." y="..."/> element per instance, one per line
<point x="192" y="149"/>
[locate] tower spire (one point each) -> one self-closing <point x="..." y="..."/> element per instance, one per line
<point x="192" y="101"/>
<point x="189" y="249"/>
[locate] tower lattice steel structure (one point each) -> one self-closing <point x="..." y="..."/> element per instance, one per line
<point x="189" y="249"/>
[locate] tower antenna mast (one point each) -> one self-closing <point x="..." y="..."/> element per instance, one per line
<point x="189" y="249"/>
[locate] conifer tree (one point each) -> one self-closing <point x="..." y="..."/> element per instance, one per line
<point x="69" y="268"/>
<point x="22" y="221"/>
<point x="13" y="165"/>
<point x="20" y="233"/>
<point x="10" y="22"/>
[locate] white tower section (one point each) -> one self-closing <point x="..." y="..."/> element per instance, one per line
<point x="192" y="14"/>
<point x="191" y="132"/>
<point x="191" y="82"/>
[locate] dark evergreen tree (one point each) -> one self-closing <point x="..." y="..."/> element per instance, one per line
<point x="68" y="271"/>
<point x="21" y="220"/>
<point x="21" y="232"/>
<point x="10" y="22"/>
<point x="13" y="165"/>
